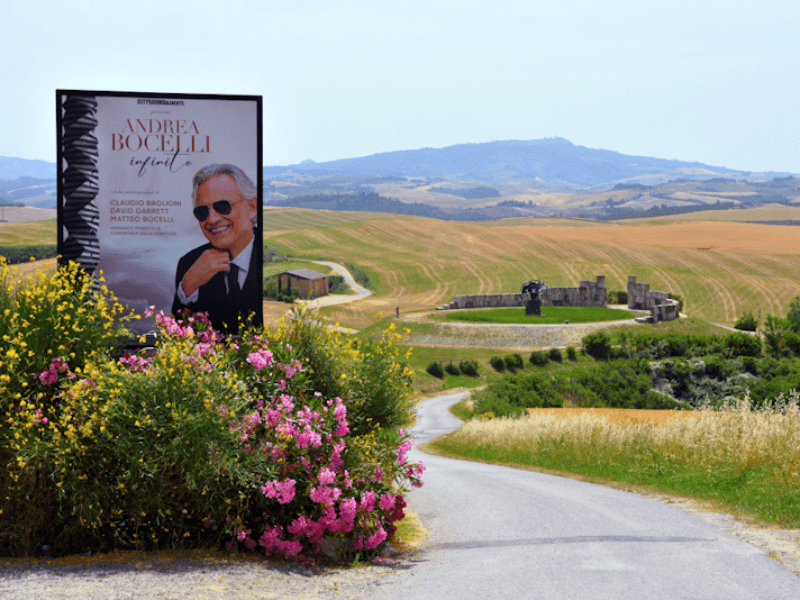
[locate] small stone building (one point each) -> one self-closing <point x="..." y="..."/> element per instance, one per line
<point x="310" y="283"/>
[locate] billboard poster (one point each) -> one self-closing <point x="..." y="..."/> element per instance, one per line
<point x="162" y="193"/>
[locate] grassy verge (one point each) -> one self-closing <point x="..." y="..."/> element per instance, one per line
<point x="744" y="462"/>
<point x="682" y="326"/>
<point x="410" y="533"/>
<point x="550" y="315"/>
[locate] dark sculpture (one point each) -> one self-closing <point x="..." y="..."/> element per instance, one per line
<point x="533" y="288"/>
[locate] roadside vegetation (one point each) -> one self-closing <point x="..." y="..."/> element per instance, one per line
<point x="268" y="443"/>
<point x="646" y="371"/>
<point x="733" y="436"/>
<point x="20" y="254"/>
<point x="743" y="460"/>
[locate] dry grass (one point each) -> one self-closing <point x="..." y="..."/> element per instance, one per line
<point x="26" y="269"/>
<point x="627" y="416"/>
<point x="706" y="439"/>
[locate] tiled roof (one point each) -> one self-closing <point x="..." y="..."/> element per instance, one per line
<point x="306" y="274"/>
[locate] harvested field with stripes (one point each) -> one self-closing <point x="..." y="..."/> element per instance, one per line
<point x="721" y="269"/>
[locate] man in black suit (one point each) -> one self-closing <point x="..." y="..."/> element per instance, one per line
<point x="221" y="277"/>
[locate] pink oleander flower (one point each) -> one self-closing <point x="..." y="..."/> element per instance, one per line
<point x="402" y="449"/>
<point x="50" y="376"/>
<point x="241" y="534"/>
<point x="324" y="494"/>
<point x="368" y="501"/>
<point x="260" y="359"/>
<point x="375" y="539"/>
<point x="377" y="474"/>
<point x="283" y="491"/>
<point x="326" y="476"/>
<point x="387" y="501"/>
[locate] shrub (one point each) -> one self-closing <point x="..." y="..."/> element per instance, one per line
<point x="337" y="285"/>
<point x="750" y="365"/>
<point x="360" y="276"/>
<point x="207" y="441"/>
<point x="63" y="318"/>
<point x="717" y="367"/>
<point x="597" y="345"/>
<point x="538" y="358"/>
<point x="514" y="361"/>
<point x="747" y="322"/>
<point x="494" y="407"/>
<point x="497" y="363"/>
<point x="572" y="354"/>
<point x="21" y="254"/>
<point x="775" y="330"/>
<point x="793" y="316"/>
<point x="518" y="391"/>
<point x="679" y="298"/>
<point x="435" y="369"/>
<point x="618" y="297"/>
<point x="554" y="354"/>
<point x="742" y="344"/>
<point x="271" y="288"/>
<point x="468" y="367"/>
<point x="452" y="369"/>
<point x="371" y="378"/>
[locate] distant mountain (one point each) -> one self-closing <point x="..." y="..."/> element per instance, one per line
<point x="15" y="168"/>
<point x="552" y="160"/>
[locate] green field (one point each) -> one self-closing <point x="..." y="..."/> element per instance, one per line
<point x="550" y="315"/>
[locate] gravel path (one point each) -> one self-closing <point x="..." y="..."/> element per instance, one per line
<point x="167" y="576"/>
<point x="506" y="336"/>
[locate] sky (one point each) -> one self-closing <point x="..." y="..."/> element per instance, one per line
<point x="711" y="81"/>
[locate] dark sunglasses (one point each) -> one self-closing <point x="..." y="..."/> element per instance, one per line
<point x="222" y="207"/>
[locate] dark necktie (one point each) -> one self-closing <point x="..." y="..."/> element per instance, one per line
<point x="233" y="285"/>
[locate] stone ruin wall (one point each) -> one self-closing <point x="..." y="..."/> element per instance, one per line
<point x="589" y="293"/>
<point x="661" y="307"/>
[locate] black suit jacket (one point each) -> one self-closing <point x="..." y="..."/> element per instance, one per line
<point x="214" y="299"/>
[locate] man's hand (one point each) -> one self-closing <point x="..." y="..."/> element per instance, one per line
<point x="211" y="262"/>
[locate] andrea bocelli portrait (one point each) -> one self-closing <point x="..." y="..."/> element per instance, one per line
<point x="221" y="277"/>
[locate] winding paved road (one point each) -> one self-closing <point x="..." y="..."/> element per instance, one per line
<point x="498" y="532"/>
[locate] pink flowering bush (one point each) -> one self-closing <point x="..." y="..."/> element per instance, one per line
<point x="205" y="441"/>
